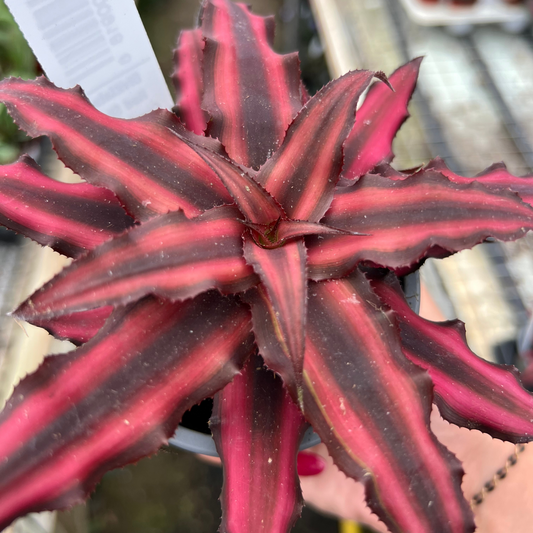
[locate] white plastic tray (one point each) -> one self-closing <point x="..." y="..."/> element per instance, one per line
<point x="482" y="12"/>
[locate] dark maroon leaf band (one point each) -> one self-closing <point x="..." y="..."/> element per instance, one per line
<point x="496" y="177"/>
<point x="303" y="180"/>
<point x="283" y="274"/>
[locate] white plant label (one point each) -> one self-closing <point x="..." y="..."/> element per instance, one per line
<point x="99" y="44"/>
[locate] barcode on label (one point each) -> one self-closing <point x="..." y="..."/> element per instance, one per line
<point x="98" y="44"/>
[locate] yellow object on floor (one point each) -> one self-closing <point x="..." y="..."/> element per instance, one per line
<point x="347" y="526"/>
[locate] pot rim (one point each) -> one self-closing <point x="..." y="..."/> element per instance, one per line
<point x="196" y="442"/>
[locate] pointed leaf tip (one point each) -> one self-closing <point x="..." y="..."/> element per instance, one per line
<point x="378" y="120"/>
<point x="380" y="75"/>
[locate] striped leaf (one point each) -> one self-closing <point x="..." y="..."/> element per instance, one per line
<point x="188" y="80"/>
<point x="496" y="178"/>
<point x="469" y="391"/>
<point x="283" y="274"/>
<point x="408" y="220"/>
<point x="256" y="204"/>
<point x="77" y="328"/>
<point x="371" y="408"/>
<point x="254" y="418"/>
<point x="116" y="399"/>
<point x="302" y="174"/>
<point x="170" y="256"/>
<point x="70" y="218"/>
<point x="378" y="120"/>
<point x="250" y="92"/>
<point x="145" y="162"/>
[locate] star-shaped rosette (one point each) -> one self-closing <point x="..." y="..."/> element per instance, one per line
<point x="248" y="248"/>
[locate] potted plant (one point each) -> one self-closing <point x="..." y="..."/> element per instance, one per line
<point x="250" y="250"/>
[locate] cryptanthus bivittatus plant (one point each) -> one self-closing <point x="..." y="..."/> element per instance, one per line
<point x="248" y="247"/>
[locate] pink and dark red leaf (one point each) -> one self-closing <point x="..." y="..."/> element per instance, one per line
<point x="256" y="204"/>
<point x="145" y="162"/>
<point x="378" y="120"/>
<point x="303" y="172"/>
<point x="77" y="328"/>
<point x="283" y="274"/>
<point x="469" y="391"/>
<point x="188" y="80"/>
<point x="496" y="177"/>
<point x="257" y="430"/>
<point x="170" y="256"/>
<point x="116" y="399"/>
<point x="425" y="215"/>
<point x="70" y="218"/>
<point x="371" y="408"/>
<point x="250" y="92"/>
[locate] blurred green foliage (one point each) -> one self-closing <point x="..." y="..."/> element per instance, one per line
<point x="16" y="59"/>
